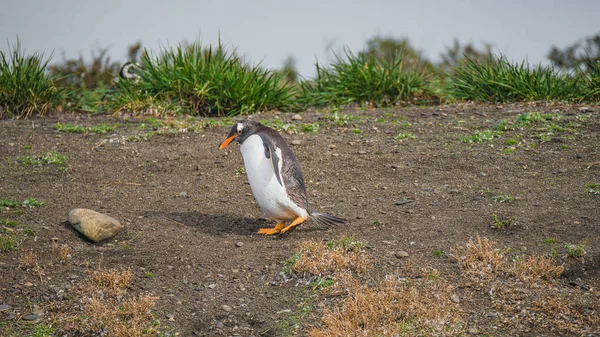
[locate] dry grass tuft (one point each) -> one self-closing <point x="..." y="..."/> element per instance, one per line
<point x="480" y="258"/>
<point x="112" y="281"/>
<point x="397" y="307"/>
<point x="131" y="317"/>
<point x="535" y="268"/>
<point x="27" y="259"/>
<point x="61" y="253"/>
<point x="327" y="260"/>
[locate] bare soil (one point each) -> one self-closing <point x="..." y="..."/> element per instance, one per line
<point x="191" y="221"/>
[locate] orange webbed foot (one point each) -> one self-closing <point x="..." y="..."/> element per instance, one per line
<point x="272" y="231"/>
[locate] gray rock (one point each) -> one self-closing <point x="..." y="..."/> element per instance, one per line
<point x="362" y="152"/>
<point x="455" y="298"/>
<point x="4" y="307"/>
<point x="239" y="244"/>
<point x="401" y="254"/>
<point x="296" y="142"/>
<point x="93" y="225"/>
<point x="473" y="330"/>
<point x="31" y="317"/>
<point x="332" y="146"/>
<point x="296" y="117"/>
<point x="226" y="307"/>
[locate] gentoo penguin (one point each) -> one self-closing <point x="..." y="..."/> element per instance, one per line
<point x="275" y="177"/>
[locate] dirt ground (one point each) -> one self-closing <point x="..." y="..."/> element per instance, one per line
<point x="191" y="221"/>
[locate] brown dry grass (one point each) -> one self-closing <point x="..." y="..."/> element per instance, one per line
<point x="27" y="259"/>
<point x="396" y="307"/>
<point x="132" y="317"/>
<point x="535" y="268"/>
<point x="320" y="259"/>
<point x="527" y="292"/>
<point x="112" y="282"/>
<point x="103" y="307"/>
<point x="61" y="253"/>
<point x="480" y="259"/>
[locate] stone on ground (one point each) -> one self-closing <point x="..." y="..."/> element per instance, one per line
<point x="93" y="225"/>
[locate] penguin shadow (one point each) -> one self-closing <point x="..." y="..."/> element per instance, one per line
<point x="213" y="224"/>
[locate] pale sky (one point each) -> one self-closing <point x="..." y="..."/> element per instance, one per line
<point x="269" y="31"/>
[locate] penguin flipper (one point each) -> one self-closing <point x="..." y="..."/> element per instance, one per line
<point x="271" y="154"/>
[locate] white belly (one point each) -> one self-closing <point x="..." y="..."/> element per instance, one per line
<point x="270" y="196"/>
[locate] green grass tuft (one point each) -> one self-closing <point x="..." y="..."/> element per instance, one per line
<point x="498" y="80"/>
<point x="481" y="136"/>
<point x="25" y="87"/>
<point x="50" y="157"/>
<point x="593" y="188"/>
<point x="365" y="80"/>
<point x="201" y="80"/>
<point x="97" y="129"/>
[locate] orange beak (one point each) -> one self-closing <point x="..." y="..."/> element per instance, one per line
<point x="227" y="141"/>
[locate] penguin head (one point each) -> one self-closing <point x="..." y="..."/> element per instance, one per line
<point x="240" y="131"/>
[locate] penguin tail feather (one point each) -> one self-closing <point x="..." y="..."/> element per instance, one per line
<point x="325" y="219"/>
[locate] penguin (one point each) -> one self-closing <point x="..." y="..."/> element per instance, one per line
<point x="275" y="177"/>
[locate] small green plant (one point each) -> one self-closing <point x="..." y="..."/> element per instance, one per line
<point x="511" y="142"/>
<point x="503" y="198"/>
<point x="405" y="135"/>
<point x="356" y="131"/>
<point x="576" y="250"/>
<point x="27" y="203"/>
<point x="50" y="157"/>
<point x="549" y="241"/>
<point x="239" y="171"/>
<point x="322" y="283"/>
<point x="502" y="126"/>
<point x="481" y="136"/>
<point x="544" y="137"/>
<point x="42" y="331"/>
<point x="149" y="275"/>
<point x="141" y="137"/>
<point x="346" y="244"/>
<point x="289" y="263"/>
<point x="593" y="188"/>
<point x="502" y="223"/>
<point x="439" y="253"/>
<point x="97" y="129"/>
<point x="312" y="127"/>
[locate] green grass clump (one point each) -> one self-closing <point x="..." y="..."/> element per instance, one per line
<point x="575" y="250"/>
<point x="25" y="87"/>
<point x="498" y="80"/>
<point x="481" y="136"/>
<point x="97" y="129"/>
<point x="50" y="157"/>
<point x="501" y="223"/>
<point x="12" y="235"/>
<point x="593" y="188"/>
<point x="346" y="244"/>
<point x="202" y="80"/>
<point x="405" y="135"/>
<point x="364" y="80"/>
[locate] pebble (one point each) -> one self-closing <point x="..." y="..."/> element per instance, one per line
<point x="401" y="254"/>
<point x="332" y="146"/>
<point x="403" y="202"/>
<point x="453" y="191"/>
<point x="296" y="117"/>
<point x="455" y="298"/>
<point x="296" y="142"/>
<point x="473" y="330"/>
<point x="32" y="317"/>
<point x="212" y="286"/>
<point x="239" y="244"/>
<point x="4" y="307"/>
<point x="226" y="307"/>
<point x="579" y="156"/>
<point x="362" y="152"/>
<point x="220" y="325"/>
